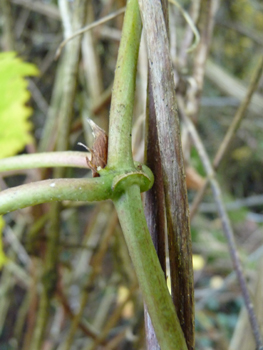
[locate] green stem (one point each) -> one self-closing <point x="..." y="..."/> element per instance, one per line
<point x="45" y="160"/>
<point x="128" y="200"/>
<point x="119" y="152"/>
<point x="148" y="270"/>
<point x="95" y="189"/>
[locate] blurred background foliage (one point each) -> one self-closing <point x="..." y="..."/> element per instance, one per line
<point x="96" y="303"/>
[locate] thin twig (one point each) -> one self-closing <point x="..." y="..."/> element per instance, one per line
<point x="89" y="27"/>
<point x="205" y="25"/>
<point x="191" y="24"/>
<point x="240" y="114"/>
<point x="225" y="222"/>
<point x="188" y="36"/>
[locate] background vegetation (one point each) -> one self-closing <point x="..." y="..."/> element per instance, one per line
<point x="97" y="304"/>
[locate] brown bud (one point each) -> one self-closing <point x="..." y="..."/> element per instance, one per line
<point x="99" y="151"/>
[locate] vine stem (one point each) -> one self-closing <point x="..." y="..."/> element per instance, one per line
<point x="128" y="203"/>
<point x="94" y="189"/>
<point x="119" y="151"/>
<point x="148" y="270"/>
<point x="45" y="159"/>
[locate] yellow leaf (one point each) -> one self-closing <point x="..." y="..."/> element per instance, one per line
<point x="14" y="124"/>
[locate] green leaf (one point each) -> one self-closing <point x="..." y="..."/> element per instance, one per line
<point x="14" y="114"/>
